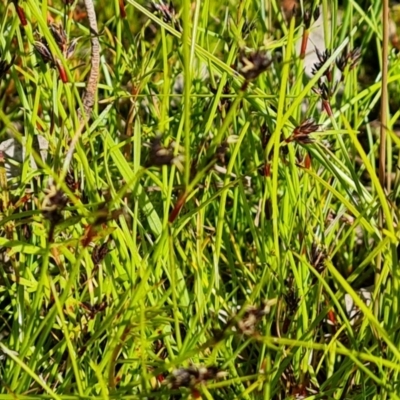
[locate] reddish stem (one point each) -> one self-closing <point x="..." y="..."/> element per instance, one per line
<point x="122" y="10"/>
<point x="327" y="107"/>
<point x="62" y="73"/>
<point x="181" y="201"/>
<point x="21" y="15"/>
<point x="331" y="316"/>
<point x="307" y="161"/>
<point x="267" y="170"/>
<point x="304" y="42"/>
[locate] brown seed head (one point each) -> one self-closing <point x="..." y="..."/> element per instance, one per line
<point x="301" y="134"/>
<point x="350" y="59"/>
<point x="192" y="376"/>
<point x="167" y="12"/>
<point x="323" y="58"/>
<point x="42" y="48"/>
<point x="252" y="65"/>
<point x="5" y="66"/>
<point x="59" y="35"/>
<point x="99" y="253"/>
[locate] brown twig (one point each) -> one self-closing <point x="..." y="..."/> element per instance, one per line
<point x="89" y="95"/>
<point x="91" y="86"/>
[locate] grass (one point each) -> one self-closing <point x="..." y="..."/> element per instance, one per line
<point x="220" y="208"/>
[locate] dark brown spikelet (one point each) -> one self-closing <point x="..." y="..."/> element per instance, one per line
<point x="71" y="182"/>
<point x="159" y="155"/>
<point x="221" y="151"/>
<point x="301" y="134"/>
<point x="289" y="289"/>
<point x="71" y="48"/>
<point x="252" y="65"/>
<point x="52" y="206"/>
<point x="316" y="13"/>
<point x="60" y="36"/>
<point x="265" y="135"/>
<point x="192" y="376"/>
<point x="92" y="310"/>
<point x="317" y="257"/>
<point x="54" y="202"/>
<point x="99" y="253"/>
<point x="307" y="18"/>
<point x="102" y="216"/>
<point x="341" y="62"/>
<point x="325" y="93"/>
<point x="251" y="318"/>
<point x="5" y="66"/>
<point x="167" y="12"/>
<point x="350" y="59"/>
<point x="42" y="48"/>
<point x="323" y="58"/>
<point x="323" y="90"/>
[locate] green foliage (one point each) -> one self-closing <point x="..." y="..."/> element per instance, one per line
<point x="220" y="208"/>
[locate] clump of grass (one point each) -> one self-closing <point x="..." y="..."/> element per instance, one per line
<point x="204" y="208"/>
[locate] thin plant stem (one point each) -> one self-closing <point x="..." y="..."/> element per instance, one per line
<point x="383" y="127"/>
